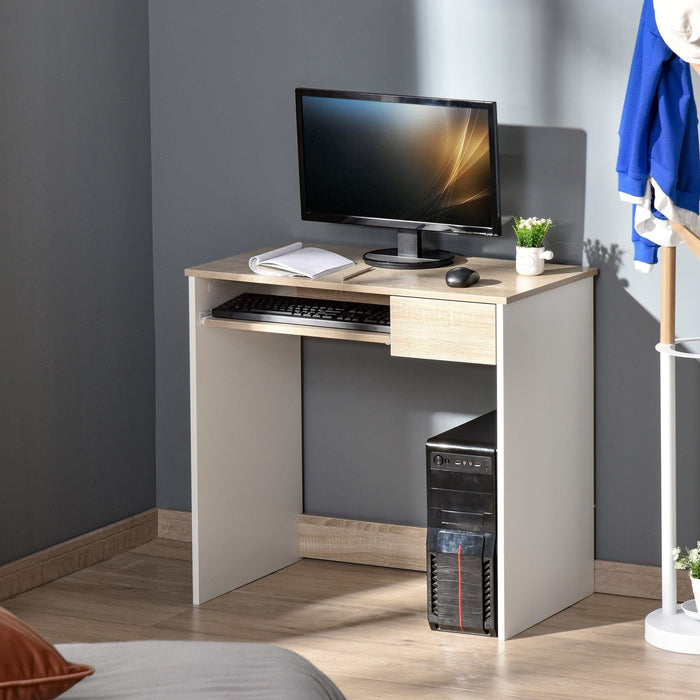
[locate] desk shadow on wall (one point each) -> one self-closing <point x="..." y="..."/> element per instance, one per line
<point x="543" y="174"/>
<point x="628" y="510"/>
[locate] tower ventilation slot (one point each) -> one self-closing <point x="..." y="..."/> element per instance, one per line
<point x="433" y="584"/>
<point x="488" y="593"/>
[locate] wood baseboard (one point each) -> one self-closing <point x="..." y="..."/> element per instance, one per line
<point x="402" y="547"/>
<point x="335" y="539"/>
<point x="361" y="542"/>
<point x="175" y="525"/>
<point x="636" y="580"/>
<point x="75" y="554"/>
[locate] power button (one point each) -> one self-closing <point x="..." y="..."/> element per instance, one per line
<point x="438" y="460"/>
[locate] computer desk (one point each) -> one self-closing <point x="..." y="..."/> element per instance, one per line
<point x="246" y="417"/>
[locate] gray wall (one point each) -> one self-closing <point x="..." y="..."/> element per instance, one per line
<point x="224" y="149"/>
<point x="224" y="181"/>
<point x="76" y="294"/>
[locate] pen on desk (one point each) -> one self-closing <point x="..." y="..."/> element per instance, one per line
<point x="356" y="273"/>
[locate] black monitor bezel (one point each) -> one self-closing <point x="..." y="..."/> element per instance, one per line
<point x="405" y="224"/>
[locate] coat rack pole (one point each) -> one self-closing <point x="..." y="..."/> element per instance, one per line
<point x="668" y="628"/>
<point x="667" y="378"/>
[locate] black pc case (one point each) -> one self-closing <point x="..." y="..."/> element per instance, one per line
<point x="461" y="542"/>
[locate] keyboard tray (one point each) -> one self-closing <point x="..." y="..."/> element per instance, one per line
<point x="327" y="313"/>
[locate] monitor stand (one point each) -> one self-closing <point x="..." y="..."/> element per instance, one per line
<point x="409" y="255"/>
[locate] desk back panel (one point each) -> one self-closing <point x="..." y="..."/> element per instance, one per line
<point x="367" y="416"/>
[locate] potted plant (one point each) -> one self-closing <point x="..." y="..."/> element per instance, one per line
<point x="529" y="251"/>
<point x="691" y="563"/>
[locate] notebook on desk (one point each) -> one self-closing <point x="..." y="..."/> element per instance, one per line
<point x="296" y="261"/>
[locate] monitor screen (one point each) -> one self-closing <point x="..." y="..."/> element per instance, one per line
<point x="415" y="164"/>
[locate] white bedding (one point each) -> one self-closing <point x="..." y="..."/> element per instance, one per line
<point x="172" y="670"/>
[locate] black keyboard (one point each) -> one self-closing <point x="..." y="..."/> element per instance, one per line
<point x="348" y="315"/>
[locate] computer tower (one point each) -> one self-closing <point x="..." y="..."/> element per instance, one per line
<point x="461" y="542"/>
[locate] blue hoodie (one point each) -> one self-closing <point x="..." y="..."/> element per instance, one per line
<point x="658" y="162"/>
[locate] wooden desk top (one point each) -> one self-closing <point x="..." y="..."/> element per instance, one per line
<point x="499" y="283"/>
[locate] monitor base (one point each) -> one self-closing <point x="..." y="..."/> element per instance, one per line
<point x="391" y="258"/>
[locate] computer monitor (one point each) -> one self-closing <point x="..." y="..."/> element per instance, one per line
<point x="411" y="163"/>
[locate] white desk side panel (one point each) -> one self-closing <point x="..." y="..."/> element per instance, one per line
<point x="246" y="449"/>
<point x="545" y="455"/>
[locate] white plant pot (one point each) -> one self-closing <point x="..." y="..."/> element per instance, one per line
<point x="695" y="582"/>
<point x="530" y="261"/>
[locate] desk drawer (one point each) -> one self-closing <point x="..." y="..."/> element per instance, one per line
<point x="431" y="329"/>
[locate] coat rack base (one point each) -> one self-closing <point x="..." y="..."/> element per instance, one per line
<point x="676" y="632"/>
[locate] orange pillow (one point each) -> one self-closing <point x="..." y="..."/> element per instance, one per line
<point x="30" y="667"/>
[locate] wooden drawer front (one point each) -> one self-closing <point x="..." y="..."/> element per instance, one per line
<point x="431" y="329"/>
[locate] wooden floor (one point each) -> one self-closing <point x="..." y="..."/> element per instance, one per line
<point x="366" y="628"/>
